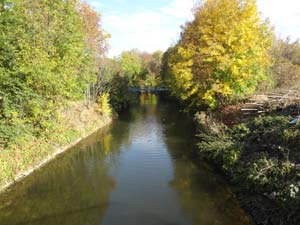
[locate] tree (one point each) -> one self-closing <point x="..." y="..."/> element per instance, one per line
<point x="141" y="68"/>
<point x="222" y="54"/>
<point x="155" y="62"/>
<point x="286" y="68"/>
<point x="131" y="65"/>
<point x="95" y="48"/>
<point x="49" y="54"/>
<point x="95" y="36"/>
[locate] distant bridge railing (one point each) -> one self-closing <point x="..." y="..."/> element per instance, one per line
<point x="159" y="89"/>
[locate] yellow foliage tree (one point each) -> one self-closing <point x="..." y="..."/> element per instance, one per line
<point x="222" y="54"/>
<point x="180" y="75"/>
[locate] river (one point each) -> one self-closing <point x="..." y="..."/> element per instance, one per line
<point x="140" y="170"/>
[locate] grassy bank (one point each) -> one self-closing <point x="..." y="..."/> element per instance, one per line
<point x="261" y="158"/>
<point x="28" y="151"/>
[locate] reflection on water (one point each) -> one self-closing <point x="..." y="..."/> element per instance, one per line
<point x="71" y="190"/>
<point x="136" y="172"/>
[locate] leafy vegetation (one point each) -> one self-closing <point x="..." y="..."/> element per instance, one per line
<point x="226" y="53"/>
<point x="260" y="156"/>
<point x="221" y="55"/>
<point x="53" y="65"/>
<point x="51" y="55"/>
<point x="132" y="69"/>
<point x="286" y="68"/>
<point x="120" y="98"/>
<point x="140" y="68"/>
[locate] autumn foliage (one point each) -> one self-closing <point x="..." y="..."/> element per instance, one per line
<point x="50" y="53"/>
<point x="222" y="54"/>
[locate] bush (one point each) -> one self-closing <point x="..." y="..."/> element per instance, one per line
<point x="104" y="107"/>
<point x="261" y="157"/>
<point x="120" y="97"/>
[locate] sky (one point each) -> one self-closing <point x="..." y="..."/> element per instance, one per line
<point x="151" y="25"/>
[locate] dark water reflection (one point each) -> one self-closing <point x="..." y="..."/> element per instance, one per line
<point x="138" y="171"/>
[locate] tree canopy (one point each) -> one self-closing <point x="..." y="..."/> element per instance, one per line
<point x="222" y="54"/>
<point x="141" y="68"/>
<point x="49" y="53"/>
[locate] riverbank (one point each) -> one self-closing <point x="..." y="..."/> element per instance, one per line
<point x="141" y="164"/>
<point x="261" y="159"/>
<point x="76" y="122"/>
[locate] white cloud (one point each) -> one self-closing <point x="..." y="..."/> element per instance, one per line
<point x="179" y="8"/>
<point x="283" y="14"/>
<point x="149" y="30"/>
<point x="154" y="29"/>
<point x="138" y="21"/>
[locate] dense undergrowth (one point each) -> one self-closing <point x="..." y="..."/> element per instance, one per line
<point x="261" y="157"/>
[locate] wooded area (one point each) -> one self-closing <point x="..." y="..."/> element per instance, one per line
<point x="230" y="64"/>
<point x="53" y="63"/>
<point x="50" y="54"/>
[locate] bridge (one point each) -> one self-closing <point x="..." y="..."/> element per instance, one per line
<point x="145" y="89"/>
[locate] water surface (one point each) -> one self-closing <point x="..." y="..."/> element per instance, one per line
<point x="138" y="171"/>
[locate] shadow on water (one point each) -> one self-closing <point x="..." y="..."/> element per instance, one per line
<point x="138" y="171"/>
<point x="73" y="189"/>
<point x="202" y="193"/>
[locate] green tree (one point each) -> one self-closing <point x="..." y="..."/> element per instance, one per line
<point x="152" y="67"/>
<point x="49" y="54"/>
<point x="131" y="65"/>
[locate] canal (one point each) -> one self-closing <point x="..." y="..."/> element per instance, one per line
<point x="140" y="170"/>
